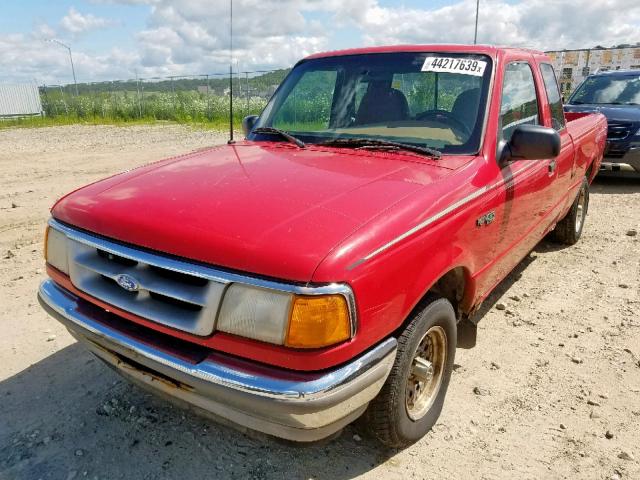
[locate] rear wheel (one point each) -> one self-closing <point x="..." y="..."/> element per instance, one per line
<point x="410" y="402"/>
<point x="569" y="229"/>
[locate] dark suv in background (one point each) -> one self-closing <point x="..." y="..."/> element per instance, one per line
<point x="616" y="94"/>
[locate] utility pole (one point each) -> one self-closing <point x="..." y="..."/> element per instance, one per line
<point x="231" y="140"/>
<point x="139" y="98"/>
<point x="475" y="33"/>
<point x="73" y="70"/>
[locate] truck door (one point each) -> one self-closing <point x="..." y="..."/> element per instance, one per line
<point x="527" y="191"/>
<point x="565" y="162"/>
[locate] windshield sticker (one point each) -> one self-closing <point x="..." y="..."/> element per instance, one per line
<point x="465" y="66"/>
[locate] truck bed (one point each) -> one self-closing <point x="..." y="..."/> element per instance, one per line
<point x="588" y="132"/>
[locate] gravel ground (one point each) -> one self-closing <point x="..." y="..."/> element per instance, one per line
<point x="552" y="389"/>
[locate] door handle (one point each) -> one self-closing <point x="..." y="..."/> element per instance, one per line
<point x="552" y="166"/>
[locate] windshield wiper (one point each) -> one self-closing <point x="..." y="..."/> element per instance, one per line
<point x="282" y="133"/>
<point x="371" y="144"/>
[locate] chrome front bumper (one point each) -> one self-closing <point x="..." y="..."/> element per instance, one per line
<point x="297" y="406"/>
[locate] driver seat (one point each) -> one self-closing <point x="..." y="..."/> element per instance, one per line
<point x="382" y="104"/>
<point x="465" y="107"/>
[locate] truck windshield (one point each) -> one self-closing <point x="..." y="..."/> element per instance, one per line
<point x="608" y="89"/>
<point x="434" y="100"/>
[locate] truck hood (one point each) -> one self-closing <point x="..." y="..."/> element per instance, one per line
<point x="265" y="208"/>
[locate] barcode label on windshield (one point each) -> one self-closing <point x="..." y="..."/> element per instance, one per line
<point x="465" y="66"/>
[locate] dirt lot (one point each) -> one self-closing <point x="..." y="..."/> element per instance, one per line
<point x="552" y="390"/>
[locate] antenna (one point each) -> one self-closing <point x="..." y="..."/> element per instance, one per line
<point x="231" y="140"/>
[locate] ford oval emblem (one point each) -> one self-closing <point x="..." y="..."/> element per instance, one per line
<point x="127" y="282"/>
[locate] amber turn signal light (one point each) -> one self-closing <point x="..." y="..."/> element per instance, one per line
<point x="318" y="321"/>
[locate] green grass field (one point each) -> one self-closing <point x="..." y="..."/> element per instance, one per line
<point x="61" y="120"/>
<point x="125" y="107"/>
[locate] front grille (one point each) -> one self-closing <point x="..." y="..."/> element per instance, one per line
<point x="615" y="153"/>
<point x="616" y="149"/>
<point x="618" y="131"/>
<point x="181" y="300"/>
<point x="180" y="294"/>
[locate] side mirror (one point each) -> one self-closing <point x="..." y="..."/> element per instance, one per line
<point x="530" y="142"/>
<point x="248" y="123"/>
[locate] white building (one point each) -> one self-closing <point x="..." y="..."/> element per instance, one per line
<point x="19" y="100"/>
<point x="572" y="66"/>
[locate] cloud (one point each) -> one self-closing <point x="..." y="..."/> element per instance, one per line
<point x="539" y="24"/>
<point x="182" y="37"/>
<point x="75" y="22"/>
<point x="187" y="35"/>
<point x="28" y="58"/>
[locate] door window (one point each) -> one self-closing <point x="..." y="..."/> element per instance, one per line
<point x="553" y="96"/>
<point x="519" y="105"/>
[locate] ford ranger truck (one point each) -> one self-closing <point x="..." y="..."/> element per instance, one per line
<point x="323" y="268"/>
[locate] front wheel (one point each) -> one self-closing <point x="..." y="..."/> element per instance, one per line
<point x="569" y="229"/>
<point x="410" y="401"/>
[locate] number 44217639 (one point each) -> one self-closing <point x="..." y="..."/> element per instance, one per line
<point x="465" y="66"/>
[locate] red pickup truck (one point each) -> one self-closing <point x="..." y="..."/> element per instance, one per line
<point x="322" y="268"/>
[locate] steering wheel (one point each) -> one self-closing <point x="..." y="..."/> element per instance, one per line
<point x="443" y="116"/>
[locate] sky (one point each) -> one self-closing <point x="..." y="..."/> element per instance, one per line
<point x="119" y="39"/>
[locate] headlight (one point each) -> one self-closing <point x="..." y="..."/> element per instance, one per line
<point x="56" y="250"/>
<point x="298" y="321"/>
<point x="255" y="313"/>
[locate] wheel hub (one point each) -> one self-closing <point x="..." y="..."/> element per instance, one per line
<point x="425" y="375"/>
<point x="422" y="369"/>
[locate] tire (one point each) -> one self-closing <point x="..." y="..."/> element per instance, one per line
<point x="569" y="229"/>
<point x="396" y="417"/>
